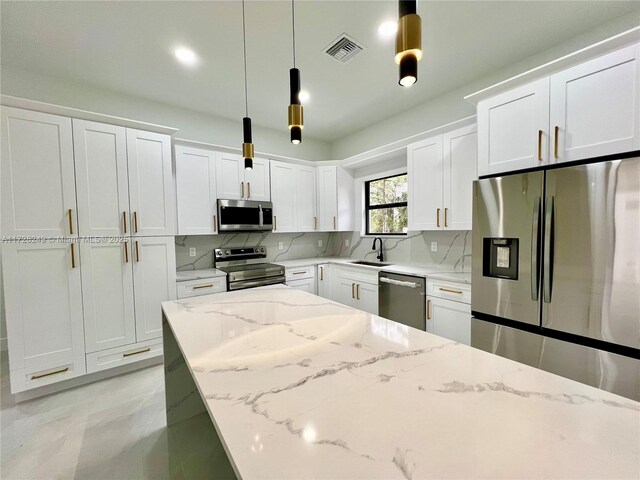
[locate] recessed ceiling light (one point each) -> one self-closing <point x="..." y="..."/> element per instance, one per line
<point x="388" y="29"/>
<point x="304" y="96"/>
<point x="186" y="56"/>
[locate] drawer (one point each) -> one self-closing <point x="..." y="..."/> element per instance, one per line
<point x="458" y="292"/>
<point x="358" y="274"/>
<point x="115" y="357"/>
<point x="26" y="379"/>
<point x="300" y="273"/>
<point x="205" y="286"/>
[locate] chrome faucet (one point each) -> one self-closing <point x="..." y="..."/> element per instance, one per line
<point x="380" y="255"/>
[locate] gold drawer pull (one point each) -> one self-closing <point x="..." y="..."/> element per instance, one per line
<point x="450" y="291"/>
<point x="138" y="352"/>
<point x="55" y="372"/>
<point x="70" y="222"/>
<point x="299" y="273"/>
<point x="197" y="287"/>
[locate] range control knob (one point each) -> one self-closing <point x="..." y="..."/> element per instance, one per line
<point x="228" y="252"/>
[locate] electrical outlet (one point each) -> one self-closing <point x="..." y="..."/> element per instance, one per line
<point x="434" y="246"/>
<point x="280" y="246"/>
<point x="319" y="243"/>
<point x="346" y="242"/>
<point x="192" y="252"/>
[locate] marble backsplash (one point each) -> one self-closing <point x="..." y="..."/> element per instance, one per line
<point x="454" y="247"/>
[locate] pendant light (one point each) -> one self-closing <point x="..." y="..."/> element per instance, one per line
<point x="296" y="119"/>
<point x="408" y="42"/>
<point x="247" y="146"/>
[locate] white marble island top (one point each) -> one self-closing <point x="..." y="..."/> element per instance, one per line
<point x="301" y="387"/>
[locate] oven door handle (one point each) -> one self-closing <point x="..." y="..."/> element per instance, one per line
<point x="256" y="283"/>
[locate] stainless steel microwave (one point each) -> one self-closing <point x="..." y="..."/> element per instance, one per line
<point x="244" y="216"/>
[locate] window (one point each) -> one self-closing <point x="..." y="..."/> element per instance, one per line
<point x="386" y="205"/>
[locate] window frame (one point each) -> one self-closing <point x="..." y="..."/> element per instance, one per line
<point x="368" y="207"/>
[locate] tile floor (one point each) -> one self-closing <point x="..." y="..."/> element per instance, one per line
<point x="111" y="429"/>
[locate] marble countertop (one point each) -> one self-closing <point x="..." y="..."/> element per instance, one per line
<point x="186" y="275"/>
<point x="302" y="387"/>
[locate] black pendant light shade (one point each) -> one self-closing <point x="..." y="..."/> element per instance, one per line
<point x="247" y="146"/>
<point x="296" y="114"/>
<point x="408" y="42"/>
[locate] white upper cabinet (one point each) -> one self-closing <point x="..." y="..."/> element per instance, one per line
<point x="38" y="184"/>
<point x="335" y="199"/>
<point x="283" y="188"/>
<point x="460" y="149"/>
<point x="305" y="200"/>
<point x="595" y="107"/>
<point x="236" y="183"/>
<point x="150" y="183"/>
<point x="107" y="293"/>
<point x="425" y="172"/>
<point x="154" y="280"/>
<point x="43" y="300"/>
<point x="196" y="191"/>
<point x="513" y="129"/>
<point x="101" y="178"/>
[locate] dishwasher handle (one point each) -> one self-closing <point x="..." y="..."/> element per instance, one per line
<point x="400" y="283"/>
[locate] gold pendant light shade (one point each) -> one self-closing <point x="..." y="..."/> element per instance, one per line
<point x="296" y="116"/>
<point x="247" y="150"/>
<point x="409" y="37"/>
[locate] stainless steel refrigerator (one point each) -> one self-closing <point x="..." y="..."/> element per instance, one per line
<point x="556" y="271"/>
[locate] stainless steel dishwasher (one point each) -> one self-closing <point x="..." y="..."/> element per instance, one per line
<point x="401" y="298"/>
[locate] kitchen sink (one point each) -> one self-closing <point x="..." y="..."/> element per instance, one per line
<point x="370" y="264"/>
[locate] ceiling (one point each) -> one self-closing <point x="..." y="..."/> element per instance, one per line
<point x="127" y="47"/>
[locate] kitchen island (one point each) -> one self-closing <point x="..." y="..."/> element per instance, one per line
<point x="295" y="386"/>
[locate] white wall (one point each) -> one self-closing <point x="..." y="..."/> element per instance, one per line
<point x="193" y="125"/>
<point x="452" y="106"/>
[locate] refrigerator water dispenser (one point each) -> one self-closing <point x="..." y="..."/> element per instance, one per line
<point x="500" y="258"/>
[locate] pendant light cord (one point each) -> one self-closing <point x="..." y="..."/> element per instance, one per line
<point x="244" y="43"/>
<point x="293" y="28"/>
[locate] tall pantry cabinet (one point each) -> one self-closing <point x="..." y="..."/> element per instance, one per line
<point x="87" y="219"/>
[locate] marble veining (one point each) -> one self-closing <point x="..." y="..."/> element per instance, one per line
<point x="301" y="387"/>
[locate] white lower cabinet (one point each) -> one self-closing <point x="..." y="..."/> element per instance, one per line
<point x="116" y="357"/>
<point x="305" y="284"/>
<point x="107" y="293"/>
<point x="154" y="280"/>
<point x="302" y="278"/>
<point x="446" y="317"/>
<point x="356" y="288"/>
<point x="43" y="301"/>
<point x="202" y="286"/>
<point x="324" y="274"/>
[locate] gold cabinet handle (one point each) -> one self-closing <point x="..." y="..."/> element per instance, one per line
<point x="321" y="273"/>
<point x="299" y="273"/>
<point x="198" y="287"/>
<point x="48" y="374"/>
<point x="126" y="252"/>
<point x="555" y="141"/>
<point x="70" y="213"/>
<point x="215" y="224"/>
<point x="358" y="291"/>
<point x="445" y="218"/>
<point x="248" y="189"/>
<point x="242" y="188"/>
<point x="73" y="256"/>
<point x="540" y="145"/>
<point x="428" y="309"/>
<point x="459" y="292"/>
<point x="137" y="352"/>
<point x="124" y="221"/>
<point x="135" y="222"/>
<point x="438" y="217"/>
<point x="353" y="290"/>
<point x="137" y="252"/>
<point x="275" y="222"/>
<point x="315" y="223"/>
<point x="334" y="222"/>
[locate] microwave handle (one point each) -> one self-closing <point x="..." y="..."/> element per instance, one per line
<point x="260" y="216"/>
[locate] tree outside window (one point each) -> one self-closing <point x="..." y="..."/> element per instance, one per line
<point x="386" y="205"/>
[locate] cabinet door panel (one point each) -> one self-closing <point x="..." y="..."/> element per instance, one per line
<point x="107" y="292"/>
<point x="425" y="178"/>
<point x="344" y="291"/>
<point x="596" y="107"/>
<point x="154" y="280"/>
<point x="324" y="275"/>
<point x="306" y="285"/>
<point x="460" y="170"/>
<point x="151" y="182"/>
<point x="327" y="182"/>
<point x="43" y="300"/>
<point x="367" y="297"/>
<point x="450" y="320"/>
<point x="305" y="201"/>
<point x="230" y="176"/>
<point x="196" y="191"/>
<point x="101" y="178"/>
<point x="257" y="181"/>
<point x="37" y="174"/>
<point x="284" y="192"/>
<point x="508" y="129"/>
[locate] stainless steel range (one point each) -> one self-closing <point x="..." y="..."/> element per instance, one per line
<point x="241" y="274"/>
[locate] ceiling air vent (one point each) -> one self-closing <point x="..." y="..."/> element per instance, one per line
<point x="344" y="48"/>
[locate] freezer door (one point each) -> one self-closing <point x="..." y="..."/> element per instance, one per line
<point x="592" y="251"/>
<point x="507" y="215"/>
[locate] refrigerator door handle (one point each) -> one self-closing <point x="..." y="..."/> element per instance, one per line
<point x="548" y="249"/>
<point x="535" y="238"/>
